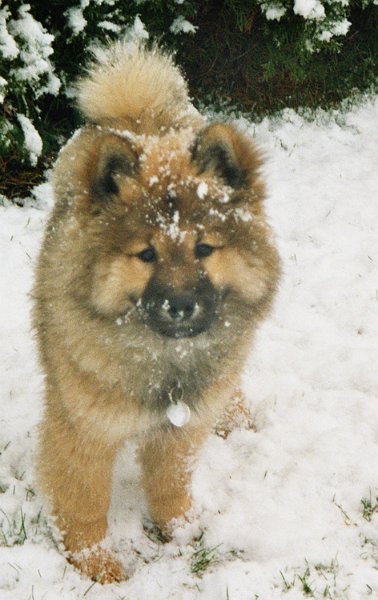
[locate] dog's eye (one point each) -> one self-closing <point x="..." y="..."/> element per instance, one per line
<point x="203" y="250"/>
<point x="148" y="255"/>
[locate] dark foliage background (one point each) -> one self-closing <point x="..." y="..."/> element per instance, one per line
<point x="232" y="51"/>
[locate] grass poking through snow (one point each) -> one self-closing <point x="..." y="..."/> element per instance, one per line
<point x="202" y="558"/>
<point x="369" y="507"/>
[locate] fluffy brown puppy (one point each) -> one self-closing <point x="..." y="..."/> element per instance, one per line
<point x="156" y="268"/>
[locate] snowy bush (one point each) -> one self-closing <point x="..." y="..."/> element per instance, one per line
<point x="43" y="46"/>
<point x="26" y="75"/>
<point x="321" y="22"/>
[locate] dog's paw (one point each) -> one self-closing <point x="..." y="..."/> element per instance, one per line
<point x="99" y="565"/>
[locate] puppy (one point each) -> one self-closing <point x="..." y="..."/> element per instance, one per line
<point x="156" y="268"/>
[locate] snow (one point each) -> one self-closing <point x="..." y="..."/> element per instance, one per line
<point x="240" y="214"/>
<point x="309" y="9"/>
<point x="35" y="47"/>
<point x="171" y="227"/>
<point x="337" y="28"/>
<point x="3" y="85"/>
<point x="202" y="190"/>
<point x="37" y="44"/>
<point x="273" y="12"/>
<point x="182" y="25"/>
<point x="109" y="26"/>
<point x="76" y="19"/>
<point x="33" y="142"/>
<point x="277" y="510"/>
<point x="8" y="47"/>
<point x="136" y="33"/>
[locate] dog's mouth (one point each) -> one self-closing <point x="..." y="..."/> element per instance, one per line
<point x="177" y="332"/>
<point x="181" y="320"/>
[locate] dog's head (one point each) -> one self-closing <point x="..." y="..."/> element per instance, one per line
<point x="179" y="241"/>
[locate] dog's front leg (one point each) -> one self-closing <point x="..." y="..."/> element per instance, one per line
<point x="76" y="474"/>
<point x="167" y="461"/>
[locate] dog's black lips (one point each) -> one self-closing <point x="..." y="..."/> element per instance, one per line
<point x="173" y="330"/>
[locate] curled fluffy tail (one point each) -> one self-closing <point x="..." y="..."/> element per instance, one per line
<point x="133" y="87"/>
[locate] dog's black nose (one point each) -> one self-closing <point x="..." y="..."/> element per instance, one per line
<point x="179" y="313"/>
<point x="179" y="308"/>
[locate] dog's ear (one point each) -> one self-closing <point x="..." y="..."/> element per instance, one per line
<point x="117" y="159"/>
<point x="223" y="151"/>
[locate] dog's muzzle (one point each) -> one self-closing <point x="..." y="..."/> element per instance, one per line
<point x="177" y="314"/>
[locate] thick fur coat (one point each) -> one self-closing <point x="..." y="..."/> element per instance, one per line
<point x="156" y="268"/>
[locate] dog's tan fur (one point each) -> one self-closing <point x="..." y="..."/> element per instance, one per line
<point x="147" y="172"/>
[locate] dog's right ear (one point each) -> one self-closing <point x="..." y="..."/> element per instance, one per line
<point x="117" y="159"/>
<point x="223" y="151"/>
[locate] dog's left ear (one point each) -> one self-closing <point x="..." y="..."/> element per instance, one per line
<point x="116" y="160"/>
<point x="223" y="151"/>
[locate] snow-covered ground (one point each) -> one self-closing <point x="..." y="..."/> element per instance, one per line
<point x="286" y="511"/>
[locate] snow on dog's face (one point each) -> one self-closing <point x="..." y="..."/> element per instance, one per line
<point x="177" y="231"/>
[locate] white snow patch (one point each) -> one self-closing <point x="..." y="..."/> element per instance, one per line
<point x="202" y="190"/>
<point x="182" y="25"/>
<point x="215" y="213"/>
<point x="338" y="28"/>
<point x="309" y="9"/>
<point x="225" y="197"/>
<point x="273" y="12"/>
<point x="152" y="180"/>
<point x="76" y="19"/>
<point x="33" y="142"/>
<point x="3" y="85"/>
<point x="43" y="195"/>
<point x="109" y="26"/>
<point x="173" y="230"/>
<point x="242" y="214"/>
<point x="35" y="49"/>
<point x="171" y="226"/>
<point x="136" y="32"/>
<point x="8" y="46"/>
